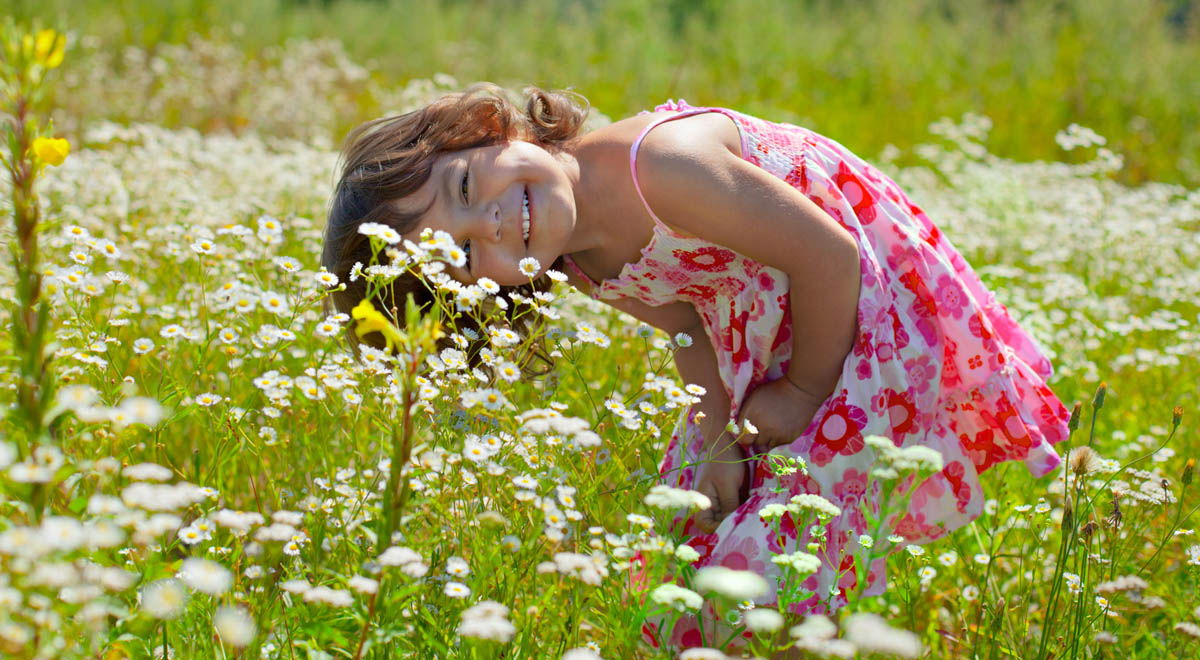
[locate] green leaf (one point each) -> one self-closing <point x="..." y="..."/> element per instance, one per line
<point x="78" y="504"/>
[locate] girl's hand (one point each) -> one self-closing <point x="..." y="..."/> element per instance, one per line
<point x="780" y="411"/>
<point x="721" y="478"/>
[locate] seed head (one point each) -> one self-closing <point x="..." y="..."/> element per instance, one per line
<point x="1084" y="461"/>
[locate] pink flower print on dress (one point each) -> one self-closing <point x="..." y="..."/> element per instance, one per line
<point x="902" y="412"/>
<point x="980" y="327"/>
<point x="951" y="298"/>
<point x="803" y="484"/>
<point x="849" y="579"/>
<point x="1050" y="417"/>
<point x="709" y="258"/>
<point x="743" y="555"/>
<point x="921" y="372"/>
<point x="856" y="193"/>
<point x="901" y="256"/>
<point x="848" y="492"/>
<point x="982" y="449"/>
<point x="703" y="544"/>
<point x="929" y="329"/>
<point x="729" y="286"/>
<point x="797" y="177"/>
<point x="789" y="532"/>
<point x="733" y="339"/>
<point x="929" y="231"/>
<point x="839" y="431"/>
<point x="914" y="527"/>
<point x="765" y="281"/>
<point x="699" y="293"/>
<point x="955" y="474"/>
<point x="899" y="334"/>
<point x="950" y="375"/>
<point x="925" y="304"/>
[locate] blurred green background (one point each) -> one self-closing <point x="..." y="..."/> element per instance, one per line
<point x="865" y="72"/>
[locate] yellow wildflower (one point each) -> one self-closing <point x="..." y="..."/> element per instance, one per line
<point x="51" y="150"/>
<point x="370" y="320"/>
<point x="48" y="48"/>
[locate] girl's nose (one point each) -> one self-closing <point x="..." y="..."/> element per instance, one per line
<point x="489" y="222"/>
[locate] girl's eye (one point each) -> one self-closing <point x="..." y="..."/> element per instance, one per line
<point x="464" y="186"/>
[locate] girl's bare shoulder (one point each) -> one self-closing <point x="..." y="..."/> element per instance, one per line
<point x="699" y="131"/>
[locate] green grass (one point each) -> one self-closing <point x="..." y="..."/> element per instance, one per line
<point x="866" y="73"/>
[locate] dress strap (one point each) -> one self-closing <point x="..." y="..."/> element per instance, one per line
<point x="593" y="286"/>
<point x="637" y="143"/>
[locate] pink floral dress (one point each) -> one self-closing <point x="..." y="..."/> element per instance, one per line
<point x="937" y="361"/>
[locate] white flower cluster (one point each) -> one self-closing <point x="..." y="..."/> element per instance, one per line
<point x="761" y="619"/>
<point x="677" y="598"/>
<point x="239" y="522"/>
<point x="589" y="569"/>
<point x="732" y="584"/>
<point x="234" y="625"/>
<point x="865" y="633"/>
<point x="1076" y="136"/>
<point x="205" y="575"/>
<point x="892" y="461"/>
<point x="870" y="633"/>
<point x="544" y="421"/>
<point x="662" y="496"/>
<point x="487" y="620"/>
<point x="39" y="467"/>
<point x="83" y="399"/>
<point x="798" y="504"/>
<point x="163" y="497"/>
<point x="803" y="563"/>
<point x="410" y="563"/>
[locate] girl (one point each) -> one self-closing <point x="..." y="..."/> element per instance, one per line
<point x="825" y="304"/>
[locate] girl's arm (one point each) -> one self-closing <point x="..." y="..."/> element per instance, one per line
<point x="723" y="473"/>
<point x="695" y="179"/>
<point x="696" y="364"/>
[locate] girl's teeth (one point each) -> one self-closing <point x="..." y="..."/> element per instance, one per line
<point x="525" y="219"/>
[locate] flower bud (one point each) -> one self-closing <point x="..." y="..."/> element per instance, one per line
<point x="1176" y="416"/>
<point x="1073" y="422"/>
<point x="1189" y="469"/>
<point x="1098" y="402"/>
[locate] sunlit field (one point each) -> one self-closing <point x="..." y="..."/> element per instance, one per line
<point x="193" y="465"/>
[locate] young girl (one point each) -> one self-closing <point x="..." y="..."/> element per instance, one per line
<point x="825" y="305"/>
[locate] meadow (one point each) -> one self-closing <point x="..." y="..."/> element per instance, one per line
<point x="192" y="464"/>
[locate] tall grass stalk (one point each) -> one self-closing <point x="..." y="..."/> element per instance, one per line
<point x="25" y="59"/>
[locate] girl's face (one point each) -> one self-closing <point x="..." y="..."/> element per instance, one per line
<point x="501" y="203"/>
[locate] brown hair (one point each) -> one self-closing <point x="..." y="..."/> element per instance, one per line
<point x="391" y="158"/>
